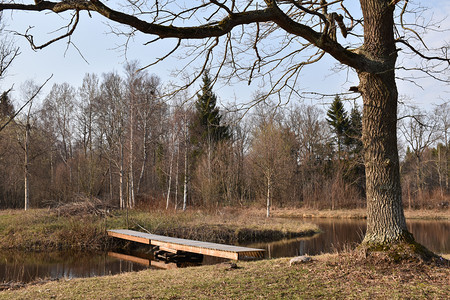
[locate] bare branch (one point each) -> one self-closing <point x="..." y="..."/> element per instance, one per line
<point x="407" y="28"/>
<point x="221" y="5"/>
<point x="270" y="14"/>
<point x="30" y="38"/>
<point x="26" y="103"/>
<point x="442" y="59"/>
<point x="164" y="57"/>
<point x="7" y="55"/>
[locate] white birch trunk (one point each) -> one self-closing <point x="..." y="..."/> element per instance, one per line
<point x="111" y="190"/>
<point x="170" y="181"/>
<point x="185" y="186"/>
<point x="26" y="182"/>
<point x="121" y="199"/>
<point x="268" y="195"/>
<point x="176" y="176"/>
<point x="145" y="157"/>
<point x="131" y="156"/>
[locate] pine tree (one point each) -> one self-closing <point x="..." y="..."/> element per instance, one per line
<point x="355" y="131"/>
<point x="6" y="107"/>
<point x="338" y="119"/>
<point x="206" y="128"/>
<point x="356" y="170"/>
<point x="206" y="133"/>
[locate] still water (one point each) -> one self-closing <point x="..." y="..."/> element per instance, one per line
<point x="337" y="234"/>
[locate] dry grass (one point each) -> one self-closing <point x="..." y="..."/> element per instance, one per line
<point x="428" y="214"/>
<point x="343" y="276"/>
<point x="358" y="213"/>
<point x="314" y="213"/>
<point x="49" y="230"/>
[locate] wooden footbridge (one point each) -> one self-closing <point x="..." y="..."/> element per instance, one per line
<point x="176" y="245"/>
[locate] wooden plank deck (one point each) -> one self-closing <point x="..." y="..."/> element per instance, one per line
<point x="177" y="244"/>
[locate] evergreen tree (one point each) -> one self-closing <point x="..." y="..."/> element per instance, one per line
<point x="338" y="119"/>
<point x="355" y="131"/>
<point x="356" y="173"/>
<point x="6" y="107"/>
<point x="206" y="128"/>
<point x="206" y="133"/>
<point x="348" y="132"/>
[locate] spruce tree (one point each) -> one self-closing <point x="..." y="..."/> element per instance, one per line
<point x="339" y="121"/>
<point x="207" y="129"/>
<point x="356" y="170"/>
<point x="6" y="107"/>
<point x="355" y="131"/>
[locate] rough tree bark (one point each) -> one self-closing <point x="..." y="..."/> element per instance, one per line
<point x="385" y="222"/>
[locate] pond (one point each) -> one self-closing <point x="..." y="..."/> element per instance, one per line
<point x="337" y="234"/>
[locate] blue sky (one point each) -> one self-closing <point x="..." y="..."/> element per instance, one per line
<point x="103" y="53"/>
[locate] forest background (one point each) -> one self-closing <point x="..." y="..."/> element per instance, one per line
<point x="125" y="140"/>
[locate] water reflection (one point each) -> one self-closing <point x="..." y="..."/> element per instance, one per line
<point x="433" y="234"/>
<point x="339" y="234"/>
<point x="29" y="266"/>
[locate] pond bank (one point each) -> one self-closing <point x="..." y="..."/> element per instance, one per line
<point x="44" y="230"/>
<point x="346" y="275"/>
<point x="357" y="214"/>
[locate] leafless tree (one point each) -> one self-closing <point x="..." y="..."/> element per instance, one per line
<point x="314" y="152"/>
<point x="150" y="108"/>
<point x="58" y="116"/>
<point x="112" y="120"/>
<point x="271" y="156"/>
<point x="29" y="89"/>
<point x="8" y="50"/>
<point x="442" y="115"/>
<point x="88" y="133"/>
<point x="420" y="132"/>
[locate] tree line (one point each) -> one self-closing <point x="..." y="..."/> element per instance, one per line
<point x="119" y="139"/>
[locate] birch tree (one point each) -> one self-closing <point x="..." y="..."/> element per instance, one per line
<point x="112" y="120"/>
<point x="26" y="144"/>
<point x="420" y="132"/>
<point x="88" y="132"/>
<point x="271" y="156"/>
<point x="442" y="116"/>
<point x="58" y="115"/>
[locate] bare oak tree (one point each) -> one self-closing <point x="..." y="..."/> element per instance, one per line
<point x="285" y="36"/>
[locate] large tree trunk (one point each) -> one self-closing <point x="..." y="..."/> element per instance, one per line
<point x="385" y="218"/>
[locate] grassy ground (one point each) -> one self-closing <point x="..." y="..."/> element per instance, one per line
<point x="358" y="213"/>
<point x="343" y="276"/>
<point x="40" y="230"/>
